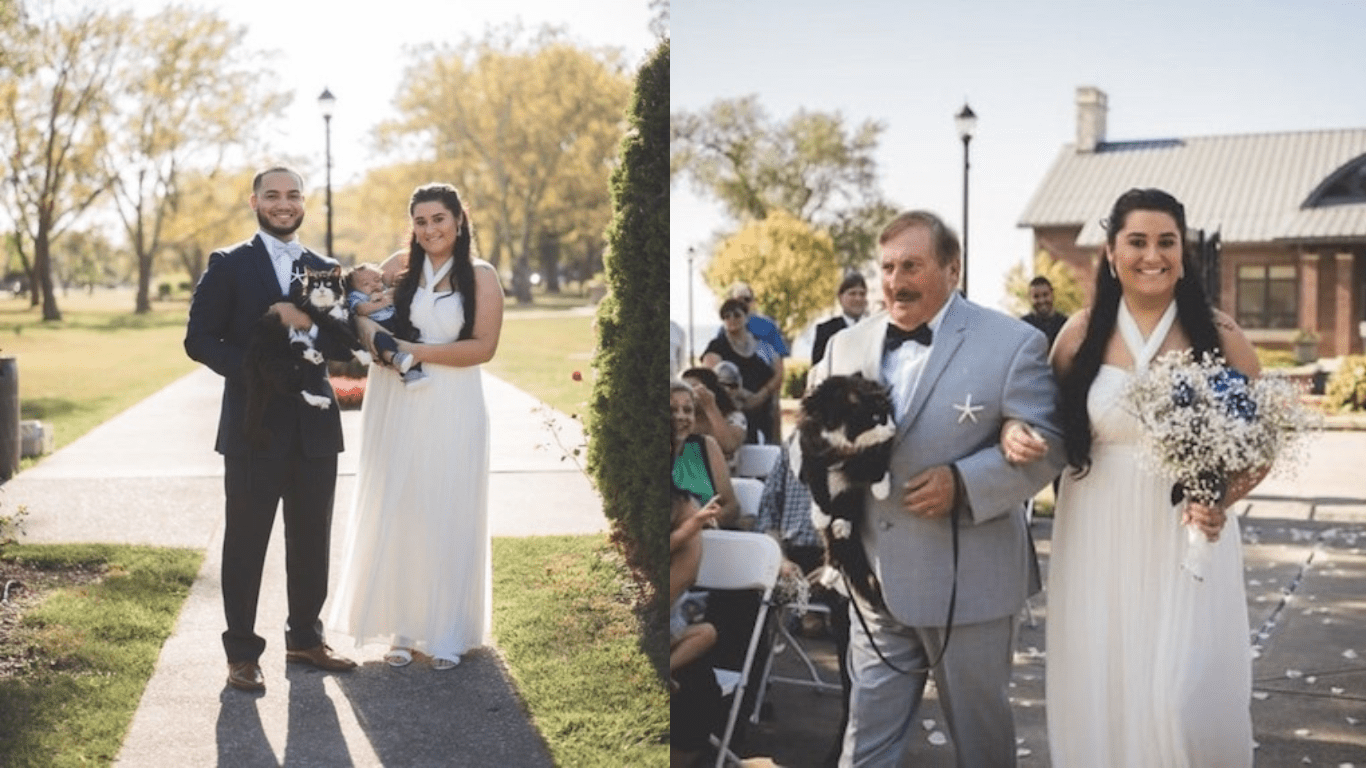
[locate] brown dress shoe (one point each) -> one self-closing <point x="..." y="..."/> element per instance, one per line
<point x="246" y="676"/>
<point x="322" y="657"/>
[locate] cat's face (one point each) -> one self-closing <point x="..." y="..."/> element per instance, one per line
<point x="322" y="288"/>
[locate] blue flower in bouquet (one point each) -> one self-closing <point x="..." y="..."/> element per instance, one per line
<point x="1230" y="387"/>
<point x="1183" y="394"/>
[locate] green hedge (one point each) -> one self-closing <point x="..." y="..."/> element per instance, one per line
<point x="628" y="453"/>
<point x="1346" y="388"/>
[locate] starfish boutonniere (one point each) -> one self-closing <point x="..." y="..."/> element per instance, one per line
<point x="966" y="410"/>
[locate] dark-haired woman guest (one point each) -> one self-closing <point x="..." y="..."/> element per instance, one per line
<point x="1146" y="665"/>
<point x="415" y="568"/>
<point x="761" y="370"/>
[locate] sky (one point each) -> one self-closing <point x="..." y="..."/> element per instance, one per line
<point x="1170" y="68"/>
<point x="360" y="55"/>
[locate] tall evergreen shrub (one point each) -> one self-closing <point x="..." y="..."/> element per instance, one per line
<point x="628" y="453"/>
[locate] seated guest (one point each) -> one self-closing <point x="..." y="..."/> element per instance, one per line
<point x="716" y="412"/>
<point x="699" y="467"/>
<point x="761" y="370"/>
<point x="687" y="641"/>
<point x="695" y="706"/>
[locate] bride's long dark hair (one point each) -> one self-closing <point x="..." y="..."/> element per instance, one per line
<point x="462" y="270"/>
<point x="1193" y="312"/>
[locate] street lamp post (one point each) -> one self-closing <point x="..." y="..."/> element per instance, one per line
<point x="692" y="351"/>
<point x="326" y="102"/>
<point x="966" y="122"/>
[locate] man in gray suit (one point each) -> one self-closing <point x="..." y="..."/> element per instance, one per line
<point x="957" y="372"/>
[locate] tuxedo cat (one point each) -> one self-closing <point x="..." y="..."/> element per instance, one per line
<point x="283" y="361"/>
<point x="845" y="432"/>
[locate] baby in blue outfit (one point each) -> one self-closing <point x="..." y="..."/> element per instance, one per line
<point x="368" y="296"/>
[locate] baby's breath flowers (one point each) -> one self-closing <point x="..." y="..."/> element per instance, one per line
<point x="1205" y="423"/>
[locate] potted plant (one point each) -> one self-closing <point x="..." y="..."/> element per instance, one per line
<point x="1306" y="346"/>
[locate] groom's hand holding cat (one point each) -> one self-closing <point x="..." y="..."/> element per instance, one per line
<point x="291" y="315"/>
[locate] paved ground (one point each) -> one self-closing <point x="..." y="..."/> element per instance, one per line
<point x="1305" y="556"/>
<point x="150" y="476"/>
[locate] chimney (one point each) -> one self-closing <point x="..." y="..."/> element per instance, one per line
<point x="1091" y="111"/>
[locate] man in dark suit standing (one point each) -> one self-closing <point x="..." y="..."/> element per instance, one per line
<point x="1043" y="317"/>
<point x="853" y="298"/>
<point x="299" y="463"/>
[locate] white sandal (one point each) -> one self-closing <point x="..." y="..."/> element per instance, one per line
<point x="398" y="657"/>
<point x="441" y="662"/>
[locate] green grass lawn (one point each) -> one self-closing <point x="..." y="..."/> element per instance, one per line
<point x="93" y="646"/>
<point x="541" y="354"/>
<point x="563" y="613"/>
<point x="94" y="363"/>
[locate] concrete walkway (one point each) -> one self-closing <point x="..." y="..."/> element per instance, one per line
<point x="150" y="476"/>
<point x="1304" y="552"/>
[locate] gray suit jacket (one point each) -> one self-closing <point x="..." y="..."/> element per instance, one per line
<point x="1002" y="364"/>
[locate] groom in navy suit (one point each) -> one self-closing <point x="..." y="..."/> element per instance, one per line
<point x="299" y="464"/>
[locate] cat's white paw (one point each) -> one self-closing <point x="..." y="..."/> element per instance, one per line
<point x="841" y="529"/>
<point x="317" y="401"/>
<point x="819" y="518"/>
<point x="882" y="488"/>
<point x="313" y="356"/>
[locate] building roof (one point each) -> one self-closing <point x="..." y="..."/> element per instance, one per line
<point x="1270" y="187"/>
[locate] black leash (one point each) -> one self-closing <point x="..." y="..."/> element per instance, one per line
<point x="948" y="626"/>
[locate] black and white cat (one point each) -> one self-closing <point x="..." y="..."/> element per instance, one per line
<point x="845" y="433"/>
<point x="283" y="361"/>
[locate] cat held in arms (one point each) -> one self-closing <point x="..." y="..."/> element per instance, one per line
<point x="283" y="361"/>
<point x="845" y="433"/>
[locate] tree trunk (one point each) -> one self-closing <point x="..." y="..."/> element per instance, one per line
<point x="144" y="301"/>
<point x="42" y="265"/>
<point x="550" y="262"/>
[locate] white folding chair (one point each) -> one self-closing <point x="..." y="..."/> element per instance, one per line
<point x="748" y="491"/>
<point x="756" y="460"/>
<point x="783" y="640"/>
<point x="739" y="560"/>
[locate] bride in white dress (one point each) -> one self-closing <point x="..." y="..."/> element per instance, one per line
<point x="1147" y="666"/>
<point x="415" y="563"/>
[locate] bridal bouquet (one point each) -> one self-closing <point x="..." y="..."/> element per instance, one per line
<point x="1204" y="422"/>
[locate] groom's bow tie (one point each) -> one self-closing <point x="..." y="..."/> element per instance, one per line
<point x="896" y="336"/>
<point x="293" y="249"/>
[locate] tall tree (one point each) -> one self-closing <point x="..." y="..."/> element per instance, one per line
<point x="791" y="266"/>
<point x="52" y="110"/>
<point x="516" y="122"/>
<point x="811" y="165"/>
<point x="188" y="93"/>
<point x="210" y="211"/>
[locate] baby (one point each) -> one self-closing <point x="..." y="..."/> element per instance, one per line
<point x="368" y="296"/>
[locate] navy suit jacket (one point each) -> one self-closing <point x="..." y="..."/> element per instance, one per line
<point x="235" y="290"/>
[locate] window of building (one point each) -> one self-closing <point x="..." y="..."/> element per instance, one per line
<point x="1268" y="296"/>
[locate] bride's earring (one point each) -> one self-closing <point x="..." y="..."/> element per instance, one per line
<point x="1111" y="264"/>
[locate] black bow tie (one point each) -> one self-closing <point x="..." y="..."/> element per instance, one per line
<point x="896" y="336"/>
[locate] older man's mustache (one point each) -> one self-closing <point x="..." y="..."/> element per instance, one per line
<point x="906" y="295"/>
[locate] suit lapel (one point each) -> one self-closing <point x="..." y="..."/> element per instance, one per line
<point x="952" y="331"/>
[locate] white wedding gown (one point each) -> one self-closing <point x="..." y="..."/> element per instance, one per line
<point x="415" y="564"/>
<point x="1147" y="667"/>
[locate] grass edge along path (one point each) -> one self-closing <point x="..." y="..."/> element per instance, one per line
<point x="95" y="645"/>
<point x="563" y="620"/>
